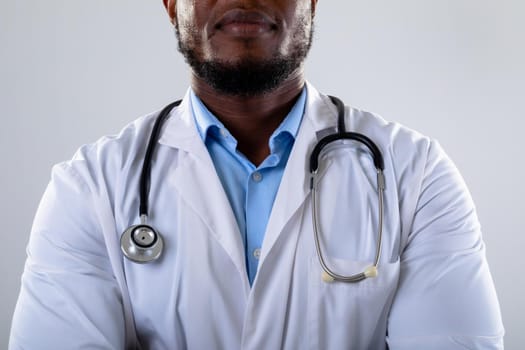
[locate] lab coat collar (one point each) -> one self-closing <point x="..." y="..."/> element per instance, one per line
<point x="320" y="111"/>
<point x="181" y="132"/>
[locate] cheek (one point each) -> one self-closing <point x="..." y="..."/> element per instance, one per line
<point x="185" y="18"/>
<point x="192" y="19"/>
<point x="297" y="32"/>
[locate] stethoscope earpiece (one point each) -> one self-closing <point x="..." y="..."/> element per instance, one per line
<point x="141" y="243"/>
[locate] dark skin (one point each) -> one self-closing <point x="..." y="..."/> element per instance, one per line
<point x="230" y="31"/>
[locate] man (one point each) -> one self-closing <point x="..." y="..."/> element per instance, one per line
<point x="231" y="195"/>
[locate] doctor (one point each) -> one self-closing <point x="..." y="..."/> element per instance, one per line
<point x="230" y="196"/>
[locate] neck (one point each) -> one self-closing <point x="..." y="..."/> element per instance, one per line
<point x="252" y="120"/>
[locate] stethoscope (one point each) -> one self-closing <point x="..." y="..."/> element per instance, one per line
<point x="142" y="243"/>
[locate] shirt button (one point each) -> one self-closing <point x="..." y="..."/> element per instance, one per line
<point x="257" y="176"/>
<point x="257" y="253"/>
<point x="224" y="133"/>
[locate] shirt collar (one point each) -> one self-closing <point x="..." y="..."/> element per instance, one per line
<point x="206" y="121"/>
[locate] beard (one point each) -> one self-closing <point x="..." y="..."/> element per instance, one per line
<point x="249" y="77"/>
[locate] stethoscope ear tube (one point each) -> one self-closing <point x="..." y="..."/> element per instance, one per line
<point x="328" y="275"/>
<point x="376" y="153"/>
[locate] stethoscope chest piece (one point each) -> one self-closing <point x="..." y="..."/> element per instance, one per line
<point x="141" y="243"/>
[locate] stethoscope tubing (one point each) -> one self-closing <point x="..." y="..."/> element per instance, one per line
<point x="145" y="175"/>
<point x="141" y="253"/>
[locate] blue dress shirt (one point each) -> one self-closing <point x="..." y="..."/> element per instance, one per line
<point x="251" y="190"/>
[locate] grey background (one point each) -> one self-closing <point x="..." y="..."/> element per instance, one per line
<point x="72" y="71"/>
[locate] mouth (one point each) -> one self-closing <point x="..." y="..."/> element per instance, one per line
<point x="245" y="23"/>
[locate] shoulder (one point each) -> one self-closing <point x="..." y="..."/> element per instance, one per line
<point x="417" y="169"/>
<point x="406" y="151"/>
<point x="395" y="140"/>
<point x="110" y="156"/>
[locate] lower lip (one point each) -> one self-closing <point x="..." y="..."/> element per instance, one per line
<point x="246" y="29"/>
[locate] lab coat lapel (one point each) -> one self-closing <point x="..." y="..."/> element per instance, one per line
<point x="320" y="114"/>
<point x="196" y="181"/>
<point x="273" y="283"/>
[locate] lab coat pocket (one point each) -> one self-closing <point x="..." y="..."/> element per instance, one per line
<point x="350" y="315"/>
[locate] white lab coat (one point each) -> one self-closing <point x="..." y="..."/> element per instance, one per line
<point x="433" y="291"/>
